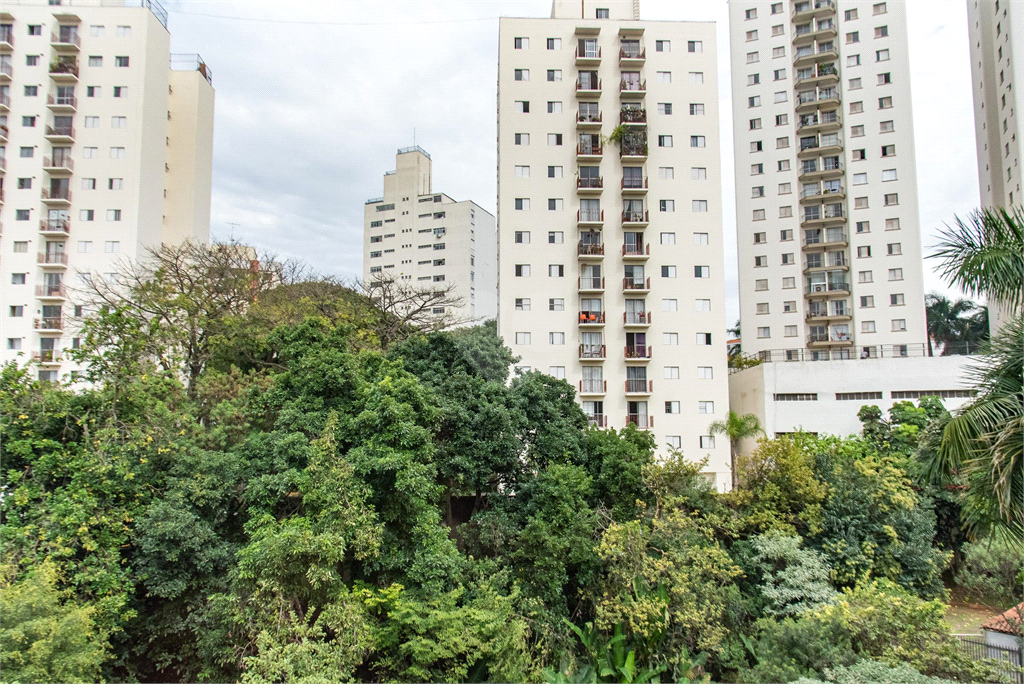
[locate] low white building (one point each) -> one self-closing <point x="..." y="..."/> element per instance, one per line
<point x="823" y="397"/>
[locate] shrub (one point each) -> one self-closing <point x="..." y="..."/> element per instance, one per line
<point x="793" y="579"/>
<point x="991" y="572"/>
<point x="874" y="672"/>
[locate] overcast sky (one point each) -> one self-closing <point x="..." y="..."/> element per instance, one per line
<point x="315" y="96"/>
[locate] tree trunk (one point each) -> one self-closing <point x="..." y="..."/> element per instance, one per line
<point x="732" y="463"/>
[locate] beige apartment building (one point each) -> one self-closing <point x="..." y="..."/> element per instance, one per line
<point x="415" y="236"/>
<point x="105" y="150"/>
<point x="997" y="45"/>
<point x="609" y="217"/>
<point x="830" y="258"/>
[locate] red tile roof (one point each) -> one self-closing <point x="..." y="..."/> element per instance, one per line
<point x="1008" y="622"/>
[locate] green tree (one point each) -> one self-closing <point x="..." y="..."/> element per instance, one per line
<point x="736" y="427"/>
<point x="792" y="579"/>
<point x="947" y="325"/>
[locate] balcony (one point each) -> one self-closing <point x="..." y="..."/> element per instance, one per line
<point x="589" y="58"/>
<point x="641" y="420"/>
<point x="588" y="121"/>
<point x="60" y="134"/>
<point x="6" y="72"/>
<point x="840" y="264"/>
<point x="588" y="90"/>
<point x="589" y="186"/>
<point x="632" y="319"/>
<point x="50" y="324"/>
<point x="820" y="74"/>
<point x="590" y="284"/>
<point x="807" y="197"/>
<point x="66" y="42"/>
<point x="3" y="165"/>
<point x="839" y="288"/>
<point x="593" y="387"/>
<point x="7" y="41"/>
<point x="823" y="316"/>
<point x="587" y="218"/>
<point x="3" y="134"/>
<point x="585" y="153"/>
<point x="821" y="122"/>
<point x="636" y="284"/>
<point x="591" y="319"/>
<point x="55" y="227"/>
<point x="813" y="9"/>
<point x="814" y="33"/>
<point x="592" y="352"/>
<point x="635" y="218"/>
<point x="634" y="186"/>
<point x="811" y="101"/>
<point x="830" y="214"/>
<point x="56" y="196"/>
<point x="632" y="57"/>
<point x="5" y="103"/>
<point x="636" y="252"/>
<point x="59" y="166"/>
<point x="46" y="356"/>
<point x="632" y="90"/>
<point x="56" y="292"/>
<point x="633" y="117"/>
<point x="57" y="261"/>
<point x="637" y="352"/>
<point x="589" y="251"/>
<point x="824" y="53"/>
<point x="826" y="169"/>
<point x="64" y="72"/>
<point x="635" y="153"/>
<point x="63" y="104"/>
<point x="822" y="240"/>
<point x="833" y="339"/>
<point x="638" y="386"/>
<point x="597" y="420"/>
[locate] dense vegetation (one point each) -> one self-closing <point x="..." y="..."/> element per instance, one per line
<point x="262" y="493"/>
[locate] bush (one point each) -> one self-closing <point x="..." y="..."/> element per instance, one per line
<point x="874" y="672"/>
<point x="991" y="572"/>
<point x="793" y="579"/>
<point x="790" y="649"/>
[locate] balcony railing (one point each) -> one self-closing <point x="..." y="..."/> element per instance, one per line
<point x="632" y="53"/>
<point x="588" y="118"/>
<point x="50" y="323"/>
<point x="634" y="217"/>
<point x="632" y="86"/>
<point x="59" y="163"/>
<point x="55" y="226"/>
<point x="637" y="386"/>
<point x="636" y="284"/>
<point x="590" y="183"/>
<point x="5" y="100"/>
<point x="60" y="258"/>
<point x="591" y="317"/>
<point x="592" y="351"/>
<point x="641" y="420"/>
<point x="591" y="283"/>
<point x="636" y="250"/>
<point x="833" y="336"/>
<point x="633" y="151"/>
<point x="590" y="248"/>
<point x="64" y="68"/>
<point x="57" y="194"/>
<point x="824" y="288"/>
<point x="46" y="356"/>
<point x="588" y="54"/>
<point x="60" y="132"/>
<point x="636" y="317"/>
<point x="593" y="386"/>
<point x="637" y="351"/>
<point x="632" y="115"/>
<point x="590" y="216"/>
<point x="588" y="86"/>
<point x="597" y="420"/>
<point x="588" y="150"/>
<point x="7" y="37"/>
<point x="71" y="39"/>
<point x="825" y="238"/>
<point x="50" y="291"/>
<point x="6" y="69"/>
<point x="634" y="183"/>
<point x="824" y="313"/>
<point x="62" y="101"/>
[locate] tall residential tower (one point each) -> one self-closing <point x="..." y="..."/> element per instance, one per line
<point x="429" y="240"/>
<point x="830" y="262"/>
<point x="105" y="150"/>
<point x="609" y="217"/>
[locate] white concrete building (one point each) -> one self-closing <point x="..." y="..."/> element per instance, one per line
<point x="426" y="239"/>
<point x="105" y="150"/>
<point x="826" y="181"/>
<point x="997" y="45"/>
<point x="824" y="397"/>
<point x="609" y="217"/>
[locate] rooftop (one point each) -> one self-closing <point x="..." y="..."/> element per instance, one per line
<point x="58" y="6"/>
<point x="414" y="148"/>
<point x="1008" y="622"/>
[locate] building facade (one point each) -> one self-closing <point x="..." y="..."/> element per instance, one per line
<point x="609" y="217"/>
<point x="428" y="240"/>
<point x="105" y="151"/>
<point x="824" y="397"/>
<point x="830" y="260"/>
<point x="997" y="44"/>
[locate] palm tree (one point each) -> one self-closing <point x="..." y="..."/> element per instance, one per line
<point x="736" y="427"/>
<point x="982" y="444"/>
<point x="946" y="323"/>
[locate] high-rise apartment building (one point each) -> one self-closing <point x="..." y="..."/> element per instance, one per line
<point x="830" y="261"/>
<point x="997" y="44"/>
<point x="609" y="217"/>
<point x="415" y="236"/>
<point x="105" y="150"/>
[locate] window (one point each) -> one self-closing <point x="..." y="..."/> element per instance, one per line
<point x="786" y="235"/>
<point x="112" y="246"/>
<point x="670" y="339"/>
<point x="750" y="13"/>
<point x="856" y="107"/>
<point x="35" y="30"/>
<point x="554" y="139"/>
<point x="899" y="325"/>
<point x="880" y="8"/>
<point x="894" y="248"/>
<point x="754" y="101"/>
<point x="114" y="183"/>
<point x="859" y="155"/>
<point x="18" y="279"/>
<point x="891" y="199"/>
<point x="860" y="178"/>
<point x="556" y="304"/>
<point x="113" y="214"/>
<point x="753" y="57"/>
<point x="761" y="285"/>
<point x="24" y="183"/>
<point x="554" y="74"/>
<point x="884" y="79"/>
<point x="522" y="204"/>
<point x="882" y="56"/>
<point x="31" y="60"/>
<point x="556" y="338"/>
<point x="860" y="202"/>
<point x="602" y="13"/>
<point x="665" y="108"/>
<point x="118" y="122"/>
<point x="698" y="173"/>
<point x="87" y="215"/>
<point x="21" y="215"/>
<point x="865" y="277"/>
<point x="804" y="396"/>
<point x="663" y="46"/>
<point x="668" y="271"/>
<point x="699" y="206"/>
<point x="556" y="237"/>
<point x="850" y="14"/>
<point x="756" y="146"/>
<point x="121" y="61"/>
<point x="554" y="172"/>
<point x="757" y="191"/>
<point x="522" y="107"/>
<point x="889" y="151"/>
<point x="755" y="124"/>
<point x="14" y="343"/>
<point x="553" y="43"/>
<point x="665" y="141"/>
<point x="694" y="46"/>
<point x="702" y="271"/>
<point x="759" y="214"/>
<point x="556" y="271"/>
<point x="31" y="91"/>
<point x="523" y="304"/>
<point x="896" y="299"/>
<point x="778" y="30"/>
<point x="696" y="109"/>
<point x="760" y="261"/>
<point x="522" y="270"/>
<point x="95" y="61"/>
<point x="705" y="407"/>
<point x="117" y="153"/>
<point x="853" y="60"/>
<point x="664" y="76"/>
<point x="895" y="274"/>
<point x="782" y="143"/>
<point x="787" y="211"/>
<point x="90" y="152"/>
<point x="523" y="43"/>
<point x="853" y="37"/>
<point x="855" y="84"/>
<point x="668" y="238"/>
<point x="888" y="174"/>
<point x="867" y="326"/>
<point x="867" y="302"/>
<point x="863" y="226"/>
<point x="789" y="283"/>
<point x="522" y="139"/>
<point x="555" y="204"/>
<point x="783" y="165"/>
<point x="554" y="107"/>
<point x="885" y="102"/>
<point x="778" y="52"/>
<point x="522" y="172"/>
<point x="522" y="237"/>
<point x="16" y="311"/>
<point x="864" y="252"/>
<point x="756" y="169"/>
<point x="762" y="308"/>
<point x="670" y="305"/>
<point x="522" y="338"/>
<point x="892" y="224"/>
<point x="699" y="239"/>
<point x="671" y="372"/>
<point x="788" y="258"/>
<point x="124" y="31"/>
<point x="780" y="96"/>
<point x="779" y="74"/>
<point x="522" y="74"/>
